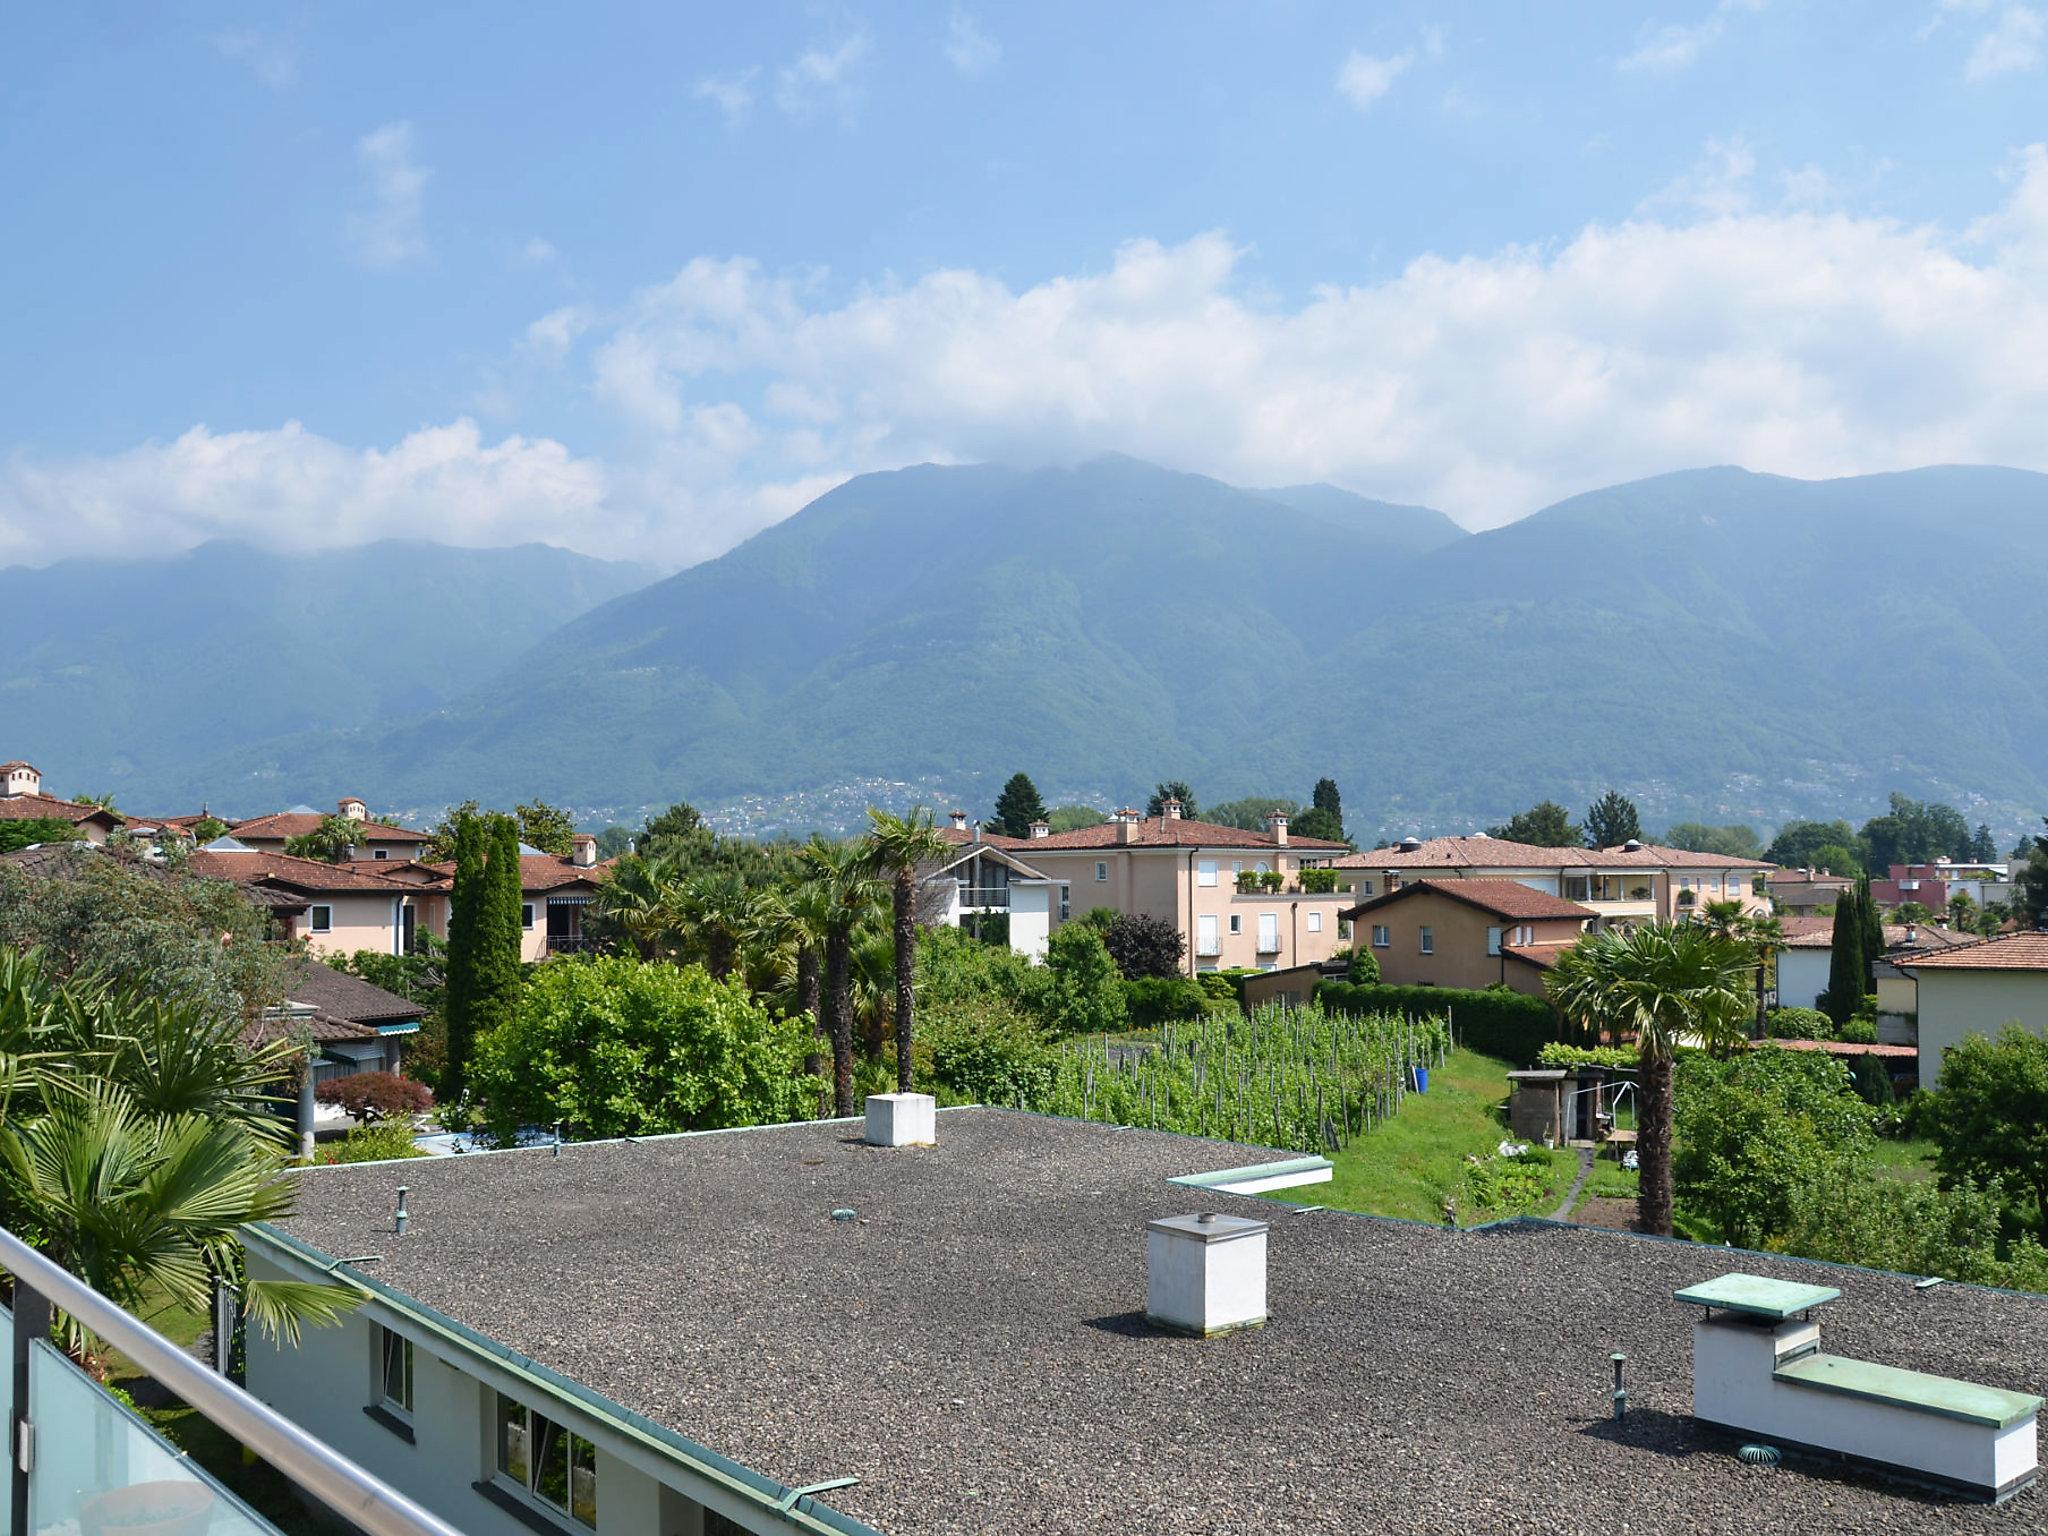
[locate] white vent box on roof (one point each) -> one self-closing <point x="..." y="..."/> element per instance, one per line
<point x="1205" y="1274"/>
<point x="902" y="1120"/>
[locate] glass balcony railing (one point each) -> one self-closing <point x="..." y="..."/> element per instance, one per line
<point x="84" y="1465"/>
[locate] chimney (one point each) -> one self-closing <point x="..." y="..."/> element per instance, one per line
<point x="353" y="809"/>
<point x="583" y="850"/>
<point x="1912" y="933"/>
<point x="1276" y="824"/>
<point x="959" y="820"/>
<point x="1170" y="808"/>
<point x="977" y="831"/>
<point x="1205" y="1274"/>
<point x="1041" y="829"/>
<point x="1126" y="825"/>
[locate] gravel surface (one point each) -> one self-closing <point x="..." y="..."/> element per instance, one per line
<point x="974" y="1350"/>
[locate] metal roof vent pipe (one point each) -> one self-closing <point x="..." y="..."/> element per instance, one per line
<point x="1205" y="1274"/>
<point x="404" y="1217"/>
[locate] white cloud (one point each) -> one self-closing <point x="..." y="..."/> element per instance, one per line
<point x="2012" y="43"/>
<point x="274" y="61"/>
<point x="1719" y="182"/>
<point x="539" y="252"/>
<point x="1677" y="46"/>
<point x="971" y="50"/>
<point x="1788" y="339"/>
<point x="387" y="230"/>
<point x="823" y="80"/>
<point x="1365" y="77"/>
<point x="294" y="489"/>
<point x="732" y="94"/>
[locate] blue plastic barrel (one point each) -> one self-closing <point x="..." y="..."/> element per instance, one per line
<point x="1420" y="1077"/>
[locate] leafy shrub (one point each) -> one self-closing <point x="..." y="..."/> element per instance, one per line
<point x="1319" y="882"/>
<point x="1087" y="995"/>
<point x="1271" y="880"/>
<point x="1507" y="1186"/>
<point x="1510" y="1025"/>
<point x="979" y="1050"/>
<point x="1859" y="1031"/>
<point x="1144" y="946"/>
<point x="372" y="1096"/>
<point x="1757" y="1132"/>
<point x="1873" y="1082"/>
<point x="1915" y="1229"/>
<point x="1990" y="1115"/>
<point x="1152" y="1000"/>
<point x="1799" y="1024"/>
<point x="1363" y="969"/>
<point x="1616" y="1058"/>
<point x="379" y="1143"/>
<point x="1220" y="986"/>
<point x="617" y="1046"/>
<point x="1247" y="881"/>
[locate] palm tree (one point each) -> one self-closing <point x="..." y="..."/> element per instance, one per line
<point x="897" y="845"/>
<point x="716" y="908"/>
<point x="849" y="894"/>
<point x="1667" y="984"/>
<point x="137" y="1136"/>
<point x="635" y="902"/>
<point x="1765" y="936"/>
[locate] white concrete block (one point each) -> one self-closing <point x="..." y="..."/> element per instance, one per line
<point x="1205" y="1274"/>
<point x="902" y="1120"/>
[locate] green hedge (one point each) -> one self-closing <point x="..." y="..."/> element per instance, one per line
<point x="1155" y="1000"/>
<point x="1494" y="1023"/>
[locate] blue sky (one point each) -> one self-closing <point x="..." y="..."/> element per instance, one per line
<point x="642" y="279"/>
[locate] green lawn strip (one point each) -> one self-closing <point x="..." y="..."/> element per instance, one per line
<point x="255" y="1482"/>
<point x="1909" y="1161"/>
<point x="1410" y="1164"/>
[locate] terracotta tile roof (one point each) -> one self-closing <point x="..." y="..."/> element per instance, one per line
<point x="50" y="808"/>
<point x="299" y="823"/>
<point x="545" y="872"/>
<point x="1819" y="933"/>
<point x="1503" y="898"/>
<point x="58" y="858"/>
<point x="322" y="1028"/>
<point x="2007" y="952"/>
<point x="411" y="871"/>
<point x="1499" y="853"/>
<point x="1166" y="832"/>
<point x="994" y="839"/>
<point x="14" y="763"/>
<point x="1542" y="956"/>
<point x="283" y="869"/>
<point x="339" y="995"/>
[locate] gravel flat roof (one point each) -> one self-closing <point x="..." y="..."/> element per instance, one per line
<point x="974" y="1350"/>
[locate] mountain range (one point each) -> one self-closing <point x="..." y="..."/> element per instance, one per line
<point x="1717" y="643"/>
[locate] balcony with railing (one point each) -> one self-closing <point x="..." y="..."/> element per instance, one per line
<point x="571" y="943"/>
<point x="1209" y="948"/>
<point x="984" y="898"/>
<point x="84" y="1462"/>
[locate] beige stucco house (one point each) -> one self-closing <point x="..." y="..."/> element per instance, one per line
<point x="379" y="843"/>
<point x="1187" y="872"/>
<point x="347" y="907"/>
<point x="1467" y="933"/>
<point x="1635" y="882"/>
<point x="1978" y="989"/>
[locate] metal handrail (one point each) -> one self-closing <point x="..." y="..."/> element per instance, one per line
<point x="372" y="1506"/>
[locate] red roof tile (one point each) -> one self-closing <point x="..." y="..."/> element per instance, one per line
<point x="2007" y="952"/>
<point x="1499" y="853"/>
<point x="282" y="868"/>
<point x="50" y="808"/>
<point x="299" y="823"/>
<point x="1503" y="898"/>
<point x="1163" y="832"/>
<point x="546" y="872"/>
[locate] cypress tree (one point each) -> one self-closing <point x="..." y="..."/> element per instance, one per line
<point x="1873" y="934"/>
<point x="465" y="909"/>
<point x="1847" y="968"/>
<point x="497" y="968"/>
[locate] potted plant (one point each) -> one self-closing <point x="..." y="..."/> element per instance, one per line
<point x="162" y="1508"/>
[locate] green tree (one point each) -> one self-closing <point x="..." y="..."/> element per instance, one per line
<point x="617" y="1046"/>
<point x="1914" y="1228"/>
<point x="467" y="939"/>
<point x="546" y="827"/>
<point x="1325" y="797"/>
<point x="1017" y="807"/>
<point x="614" y="841"/>
<point x="208" y="829"/>
<point x="331" y="842"/>
<point x="1545" y="825"/>
<point x="1071" y="818"/>
<point x="898" y="846"/>
<point x="1089" y="996"/>
<point x="1735" y="841"/>
<point x="1664" y="985"/>
<point x="1872" y="919"/>
<point x="1611" y="821"/>
<point x="1316" y="822"/>
<point x="2030" y="886"/>
<point x="1838" y="859"/>
<point x="1801" y="844"/>
<point x="1990" y="1117"/>
<point x="37" y="829"/>
<point x="1143" y="945"/>
<point x="1983" y="847"/>
<point x="1756" y="1130"/>
<point x="1249" y="813"/>
<point x="848" y="895"/>
<point x="1848" y="971"/>
<point x="1172" y="789"/>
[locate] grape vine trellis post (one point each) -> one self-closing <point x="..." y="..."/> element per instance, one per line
<point x="1298" y="1078"/>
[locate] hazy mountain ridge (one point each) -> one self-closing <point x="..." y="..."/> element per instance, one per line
<point x="1715" y="642"/>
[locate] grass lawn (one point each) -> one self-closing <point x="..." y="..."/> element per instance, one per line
<point x="1409" y="1165"/>
<point x="1908" y="1161"/>
<point x="254" y="1482"/>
